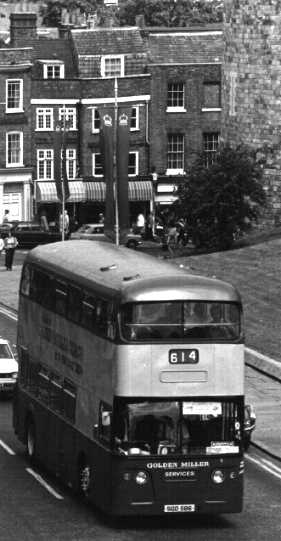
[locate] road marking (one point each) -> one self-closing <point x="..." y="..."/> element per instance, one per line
<point x="8" y="313"/>
<point x="7" y="448"/>
<point x="44" y="483"/>
<point x="270" y="468"/>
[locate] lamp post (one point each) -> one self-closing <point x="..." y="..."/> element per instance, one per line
<point x="62" y="181"/>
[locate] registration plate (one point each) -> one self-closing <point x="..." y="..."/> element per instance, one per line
<point x="180" y="508"/>
<point x="183" y="356"/>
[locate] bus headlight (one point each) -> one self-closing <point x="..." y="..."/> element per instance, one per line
<point x="217" y="477"/>
<point x="14" y="375"/>
<point x="141" y="478"/>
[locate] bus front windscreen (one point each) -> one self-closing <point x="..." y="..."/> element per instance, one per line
<point x="181" y="320"/>
<point x="183" y="427"/>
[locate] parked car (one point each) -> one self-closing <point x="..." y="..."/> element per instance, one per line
<point x="8" y="367"/>
<point x="96" y="232"/>
<point x="29" y="234"/>
<point x="249" y="424"/>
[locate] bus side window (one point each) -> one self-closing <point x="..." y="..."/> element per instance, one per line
<point x="69" y="400"/>
<point x="105" y="416"/>
<point x="74" y="304"/>
<point x="55" y="392"/>
<point x="101" y="317"/>
<point x="60" y="298"/>
<point x="88" y="312"/>
<point x="26" y="280"/>
<point x="43" y="385"/>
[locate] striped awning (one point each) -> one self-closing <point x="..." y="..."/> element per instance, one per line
<point x="95" y="191"/>
<point x="47" y="192"/>
<point x="140" y="190"/>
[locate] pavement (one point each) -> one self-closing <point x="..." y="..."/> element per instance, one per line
<point x="263" y="375"/>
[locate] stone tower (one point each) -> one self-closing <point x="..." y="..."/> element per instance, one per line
<point x="252" y="87"/>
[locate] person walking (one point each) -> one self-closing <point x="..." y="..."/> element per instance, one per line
<point x="6" y="217"/>
<point x="172" y="238"/>
<point x="10" y="244"/>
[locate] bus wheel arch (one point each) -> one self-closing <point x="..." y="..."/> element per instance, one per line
<point x="84" y="476"/>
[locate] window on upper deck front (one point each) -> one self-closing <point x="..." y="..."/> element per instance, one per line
<point x="112" y="66"/>
<point x="177" y="320"/>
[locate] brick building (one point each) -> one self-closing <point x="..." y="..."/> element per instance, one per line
<point x="168" y="81"/>
<point x="16" y="187"/>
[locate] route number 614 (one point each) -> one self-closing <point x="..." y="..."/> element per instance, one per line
<point x="183" y="356"/>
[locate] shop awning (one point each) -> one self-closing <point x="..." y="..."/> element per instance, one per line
<point x="140" y="190"/>
<point x="46" y="192"/>
<point x="95" y="191"/>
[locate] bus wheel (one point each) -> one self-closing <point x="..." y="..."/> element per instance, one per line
<point x="30" y="440"/>
<point x="84" y="479"/>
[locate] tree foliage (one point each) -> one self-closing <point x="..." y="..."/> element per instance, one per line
<point x="171" y="13"/>
<point x="222" y="199"/>
<point x="166" y="13"/>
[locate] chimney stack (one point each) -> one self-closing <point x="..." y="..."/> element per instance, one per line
<point x="22" y="27"/>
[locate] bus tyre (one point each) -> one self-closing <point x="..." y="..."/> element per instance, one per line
<point x="84" y="479"/>
<point x="31" y="440"/>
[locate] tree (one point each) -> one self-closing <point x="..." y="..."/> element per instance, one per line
<point x="223" y="198"/>
<point x="170" y="13"/>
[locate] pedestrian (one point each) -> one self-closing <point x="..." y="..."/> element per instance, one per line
<point x="43" y="221"/>
<point x="6" y="217"/>
<point x="140" y="223"/>
<point x="65" y="221"/>
<point x="10" y="244"/>
<point x="172" y="238"/>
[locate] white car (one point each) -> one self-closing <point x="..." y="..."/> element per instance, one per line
<point x="8" y="367"/>
<point x="96" y="232"/>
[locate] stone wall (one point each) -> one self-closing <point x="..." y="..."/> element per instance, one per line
<point x="252" y="87"/>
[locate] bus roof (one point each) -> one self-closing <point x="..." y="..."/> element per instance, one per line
<point x="128" y="274"/>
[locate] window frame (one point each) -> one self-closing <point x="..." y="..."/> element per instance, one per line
<point x="175" y="170"/>
<point x="110" y="57"/>
<point x="136" y="166"/>
<point x="45" y="160"/>
<point x="18" y="163"/>
<point x="205" y="106"/>
<point x="210" y="152"/>
<point x="19" y="108"/>
<point x="171" y="108"/>
<point x="45" y="113"/>
<point x="54" y="64"/>
<point x="94" y="159"/>
<point x="70" y="116"/>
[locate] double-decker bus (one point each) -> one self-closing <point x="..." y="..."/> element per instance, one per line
<point x="131" y="379"/>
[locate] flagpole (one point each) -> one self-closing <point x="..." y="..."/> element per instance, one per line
<point x="115" y="162"/>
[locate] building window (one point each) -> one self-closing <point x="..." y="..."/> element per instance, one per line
<point x="95" y="120"/>
<point x="211" y="96"/>
<point x="175" y="161"/>
<point x="112" y="66"/>
<point x="14" y="95"/>
<point x="133" y="164"/>
<point x="135" y="118"/>
<point x="71" y="166"/>
<point x="97" y="165"/>
<point x="14" y="156"/>
<point x="175" y="98"/>
<point x="45" y="164"/>
<point x="67" y="116"/>
<point x="44" y="119"/>
<point x="211" y="143"/>
<point x="53" y="70"/>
